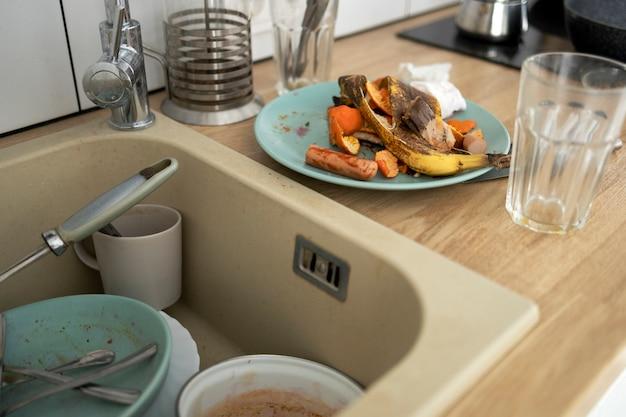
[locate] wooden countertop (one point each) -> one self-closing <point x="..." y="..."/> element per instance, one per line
<point x="579" y="281"/>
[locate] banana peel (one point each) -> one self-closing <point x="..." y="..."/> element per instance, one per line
<point x="415" y="113"/>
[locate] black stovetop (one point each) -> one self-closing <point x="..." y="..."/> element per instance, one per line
<point x="545" y="34"/>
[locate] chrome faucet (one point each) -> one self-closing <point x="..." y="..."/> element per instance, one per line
<point x="118" y="80"/>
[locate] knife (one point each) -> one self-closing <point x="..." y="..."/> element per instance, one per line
<point x="504" y="172"/>
<point x="490" y="175"/>
<point x="142" y="354"/>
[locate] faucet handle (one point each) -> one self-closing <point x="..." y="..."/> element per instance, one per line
<point x="118" y="25"/>
<point x="107" y="81"/>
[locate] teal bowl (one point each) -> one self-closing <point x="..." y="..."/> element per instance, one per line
<point x="51" y="332"/>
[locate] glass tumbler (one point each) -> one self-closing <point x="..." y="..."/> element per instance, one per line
<point x="570" y="112"/>
<point x="304" y="32"/>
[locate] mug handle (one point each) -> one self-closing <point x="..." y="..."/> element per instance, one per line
<point x="85" y="256"/>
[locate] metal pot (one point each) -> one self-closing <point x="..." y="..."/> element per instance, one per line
<point x="493" y="20"/>
<point x="597" y="27"/>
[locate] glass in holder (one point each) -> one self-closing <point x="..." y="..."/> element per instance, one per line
<point x="304" y="32"/>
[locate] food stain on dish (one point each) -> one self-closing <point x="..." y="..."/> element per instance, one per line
<point x="300" y="131"/>
<point x="303" y="130"/>
<point x="270" y="403"/>
<point x="282" y="126"/>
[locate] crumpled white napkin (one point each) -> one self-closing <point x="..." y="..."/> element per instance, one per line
<point x="434" y="79"/>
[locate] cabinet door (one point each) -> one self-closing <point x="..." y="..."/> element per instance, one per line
<point x="352" y="16"/>
<point x="357" y="15"/>
<point x="82" y="18"/>
<point x="422" y="6"/>
<point x="262" y="32"/>
<point x="35" y="70"/>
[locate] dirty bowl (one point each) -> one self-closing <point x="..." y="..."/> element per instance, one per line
<point x="245" y="374"/>
<point x="51" y="332"/>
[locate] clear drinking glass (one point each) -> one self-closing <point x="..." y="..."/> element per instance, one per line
<point x="304" y="32"/>
<point x="570" y="110"/>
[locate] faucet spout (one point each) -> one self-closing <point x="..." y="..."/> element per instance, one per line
<point x="112" y="6"/>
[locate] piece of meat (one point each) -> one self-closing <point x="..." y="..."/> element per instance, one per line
<point x="341" y="163"/>
<point x="474" y="142"/>
<point x="368" y="137"/>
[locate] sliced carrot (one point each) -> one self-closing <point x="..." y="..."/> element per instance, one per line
<point x="387" y="163"/>
<point x="349" y="119"/>
<point x="335" y="132"/>
<point x="462" y="126"/>
<point x="458" y="137"/>
<point x="349" y="144"/>
<point x="380" y="97"/>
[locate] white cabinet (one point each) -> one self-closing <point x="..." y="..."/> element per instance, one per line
<point x="261" y="28"/>
<point x="82" y="20"/>
<point x="357" y="15"/>
<point x="36" y="78"/>
<point x="35" y="70"/>
<point x="352" y="16"/>
<point x="422" y="6"/>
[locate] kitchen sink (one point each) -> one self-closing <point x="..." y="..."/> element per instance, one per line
<point x="411" y="326"/>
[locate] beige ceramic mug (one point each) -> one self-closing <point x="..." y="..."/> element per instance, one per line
<point x="145" y="263"/>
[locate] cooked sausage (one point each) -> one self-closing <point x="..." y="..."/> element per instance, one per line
<point x="341" y="163"/>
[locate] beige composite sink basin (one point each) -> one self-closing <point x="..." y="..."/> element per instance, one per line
<point x="414" y="328"/>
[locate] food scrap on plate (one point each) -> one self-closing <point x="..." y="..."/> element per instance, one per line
<point x="405" y="129"/>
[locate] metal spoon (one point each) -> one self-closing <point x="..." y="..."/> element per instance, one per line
<point x="117" y="395"/>
<point x="313" y="14"/>
<point x="132" y="359"/>
<point x="93" y="358"/>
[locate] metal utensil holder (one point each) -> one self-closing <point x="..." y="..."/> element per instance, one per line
<point x="209" y="67"/>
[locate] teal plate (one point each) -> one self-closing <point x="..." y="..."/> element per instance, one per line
<point x="51" y="332"/>
<point x="290" y="123"/>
